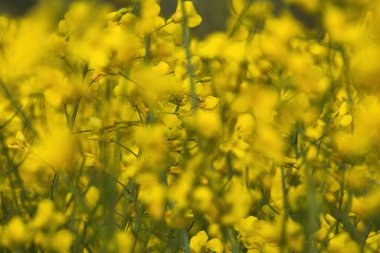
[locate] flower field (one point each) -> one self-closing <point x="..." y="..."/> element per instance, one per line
<point x="121" y="131"/>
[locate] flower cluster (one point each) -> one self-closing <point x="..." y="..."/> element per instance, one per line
<point x="120" y="132"/>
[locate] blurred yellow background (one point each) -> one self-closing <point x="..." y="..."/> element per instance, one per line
<point x="214" y="12"/>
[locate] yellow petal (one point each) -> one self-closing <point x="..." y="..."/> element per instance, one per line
<point x="343" y="109"/>
<point x="346" y="120"/>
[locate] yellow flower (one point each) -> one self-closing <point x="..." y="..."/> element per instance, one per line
<point x="209" y="103"/>
<point x="342" y="27"/>
<point x="208" y="123"/>
<point x="20" y="142"/>
<point x="15" y="232"/>
<point x="358" y="178"/>
<point x="124" y="241"/>
<point x="193" y="19"/>
<point x="346" y="120"/>
<point x="92" y="197"/>
<point x="61" y="241"/>
<point x="198" y="242"/>
<point x="153" y="83"/>
<point x="202" y="200"/>
<point x="366" y="206"/>
<point x="153" y="148"/>
<point x="162" y="67"/>
<point x="152" y="193"/>
<point x="343" y="109"/>
<point x="46" y="216"/>
<point x="342" y="243"/>
<point x="55" y="148"/>
<point x="239" y="207"/>
<point x="215" y="245"/>
<point x="212" y="46"/>
<point x="245" y="126"/>
<point x="149" y="16"/>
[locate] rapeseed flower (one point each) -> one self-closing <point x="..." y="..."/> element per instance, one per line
<point x="121" y="131"/>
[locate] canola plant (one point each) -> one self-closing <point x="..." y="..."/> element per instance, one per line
<point x="122" y="132"/>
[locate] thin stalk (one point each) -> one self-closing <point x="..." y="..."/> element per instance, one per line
<point x="285" y="218"/>
<point x="124" y="147"/>
<point x="312" y="212"/>
<point x="347" y="78"/>
<point x="54" y="184"/>
<point x="185" y="240"/>
<point x="136" y="228"/>
<point x="190" y="67"/>
<point x="148" y="51"/>
<point x="237" y="23"/>
<point x="74" y="113"/>
<point x="312" y="206"/>
<point x="365" y="237"/>
<point x="5" y="123"/>
<point x="232" y="238"/>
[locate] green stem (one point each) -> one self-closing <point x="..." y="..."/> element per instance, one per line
<point x="365" y="237"/>
<point x="5" y="123"/>
<point x="232" y="238"/>
<point x="148" y="51"/>
<point x="74" y="113"/>
<point x="136" y="228"/>
<point x="285" y="218"/>
<point x="236" y="25"/>
<point x="312" y="206"/>
<point x="54" y="185"/>
<point x="190" y="68"/>
<point x="185" y="240"/>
